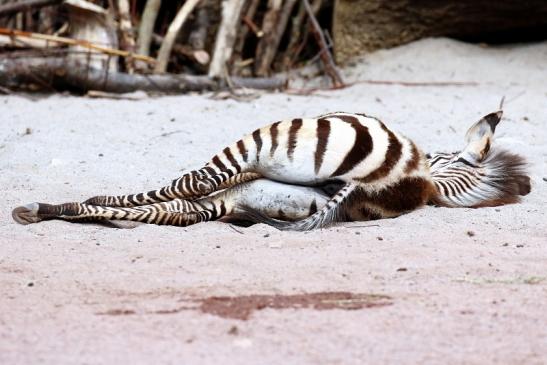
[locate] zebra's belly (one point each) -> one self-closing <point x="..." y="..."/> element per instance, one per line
<point x="278" y="200"/>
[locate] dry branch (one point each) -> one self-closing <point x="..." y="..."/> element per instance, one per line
<point x="75" y="42"/>
<point x="198" y="36"/>
<point x="25" y="5"/>
<point x="15" y="72"/>
<point x="226" y="36"/>
<point x="326" y="56"/>
<point x="127" y="36"/>
<point x="146" y="28"/>
<point x="172" y="32"/>
<point x="274" y="25"/>
<point x="200" y="56"/>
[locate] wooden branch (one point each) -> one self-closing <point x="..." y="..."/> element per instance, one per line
<point x="226" y="36"/>
<point x="16" y="72"/>
<point x="127" y="35"/>
<point x="293" y="49"/>
<point x="326" y="56"/>
<point x="274" y="25"/>
<point x="200" y="56"/>
<point x="262" y="53"/>
<point x="75" y="42"/>
<point x="146" y="28"/>
<point x="198" y="36"/>
<point x="172" y="32"/>
<point x="247" y="16"/>
<point x="16" y="7"/>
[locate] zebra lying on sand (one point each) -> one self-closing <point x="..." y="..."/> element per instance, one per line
<point x="302" y="174"/>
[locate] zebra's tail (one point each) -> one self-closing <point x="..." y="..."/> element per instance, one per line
<point x="500" y="179"/>
<point x="331" y="213"/>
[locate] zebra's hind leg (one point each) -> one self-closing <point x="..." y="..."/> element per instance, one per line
<point x="192" y="185"/>
<point x="176" y="213"/>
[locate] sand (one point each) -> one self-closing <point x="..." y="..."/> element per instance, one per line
<point x="456" y="285"/>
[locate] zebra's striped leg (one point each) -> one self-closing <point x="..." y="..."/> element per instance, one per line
<point x="190" y="186"/>
<point x="176" y="213"/>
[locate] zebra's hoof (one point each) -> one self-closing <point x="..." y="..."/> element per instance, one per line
<point x="26" y="214"/>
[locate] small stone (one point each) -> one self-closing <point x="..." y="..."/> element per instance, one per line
<point x="266" y="235"/>
<point x="470" y="233"/>
<point x="101" y="155"/>
<point x="234" y="331"/>
<point x="520" y="245"/>
<point x="505" y="244"/>
<point x="357" y="232"/>
<point x="379" y="238"/>
<point x="217" y="246"/>
<point x="402" y="269"/>
<point x="30" y="284"/>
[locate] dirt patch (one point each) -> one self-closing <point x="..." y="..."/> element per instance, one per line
<point x="241" y="307"/>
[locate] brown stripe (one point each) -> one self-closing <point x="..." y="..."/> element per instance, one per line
<point x="258" y="142"/>
<point x="412" y="164"/>
<point x="218" y="163"/>
<point x="296" y="124"/>
<point x="393" y="154"/>
<point x="274" y="132"/>
<point x="361" y="147"/>
<point x="232" y="160"/>
<point x="242" y="150"/>
<point x="323" y="132"/>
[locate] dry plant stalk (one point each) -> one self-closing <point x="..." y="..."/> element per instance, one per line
<point x="326" y="56"/>
<point x="226" y="36"/>
<point x="126" y="33"/>
<point x="172" y="32"/>
<point x="20" y="6"/>
<point x="146" y="27"/>
<point x="274" y="25"/>
<point x="74" y="42"/>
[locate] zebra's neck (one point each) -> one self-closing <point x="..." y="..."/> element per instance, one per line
<point x="499" y="179"/>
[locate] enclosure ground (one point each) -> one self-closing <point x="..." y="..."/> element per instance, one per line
<point x="438" y="285"/>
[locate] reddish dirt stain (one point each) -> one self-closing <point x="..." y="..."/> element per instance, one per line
<point x="241" y="307"/>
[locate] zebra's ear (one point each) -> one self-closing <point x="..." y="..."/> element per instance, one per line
<point x="479" y="136"/>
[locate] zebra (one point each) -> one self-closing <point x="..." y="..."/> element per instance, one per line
<point x="306" y="173"/>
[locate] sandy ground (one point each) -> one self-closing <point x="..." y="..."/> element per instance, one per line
<point x="461" y="285"/>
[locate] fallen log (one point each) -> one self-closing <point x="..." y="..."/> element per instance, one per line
<point x="73" y="75"/>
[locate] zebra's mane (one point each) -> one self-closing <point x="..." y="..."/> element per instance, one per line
<point x="501" y="178"/>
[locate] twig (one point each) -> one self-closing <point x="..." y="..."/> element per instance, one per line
<point x="146" y="28"/>
<point x="326" y="56"/>
<point x="75" y="42"/>
<point x="199" y="55"/>
<point x="5" y="90"/>
<point x="20" y="6"/>
<point x="198" y="37"/>
<point x="231" y="12"/>
<point x="247" y="18"/>
<point x="274" y="25"/>
<point x="172" y="32"/>
<point x="235" y="229"/>
<point x="252" y="26"/>
<point x="126" y="33"/>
